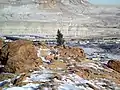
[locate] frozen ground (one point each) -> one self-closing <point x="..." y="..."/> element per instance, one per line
<point x="68" y="82"/>
<point x="100" y="77"/>
<point x="90" y="51"/>
<point x="93" y="50"/>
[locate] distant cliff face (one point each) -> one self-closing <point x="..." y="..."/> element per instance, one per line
<point x="41" y="9"/>
<point x="76" y="18"/>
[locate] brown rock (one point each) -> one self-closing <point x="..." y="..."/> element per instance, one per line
<point x="1" y="43"/>
<point x="72" y="52"/>
<point x="49" y="57"/>
<point x="84" y="73"/>
<point x="4" y="76"/>
<point x="19" y="81"/>
<point x="19" y="56"/>
<point x="57" y="65"/>
<point x="114" y="64"/>
<point x="106" y="73"/>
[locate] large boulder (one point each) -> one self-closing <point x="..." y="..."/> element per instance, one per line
<point x="19" y="56"/>
<point x="73" y="52"/>
<point x="114" y="64"/>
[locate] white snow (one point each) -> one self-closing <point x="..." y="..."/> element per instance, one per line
<point x="29" y="86"/>
<point x="41" y="76"/>
<point x="18" y="88"/>
<point x="68" y="87"/>
<point x="44" y="60"/>
<point x="73" y="82"/>
<point x="78" y="79"/>
<point x="91" y="50"/>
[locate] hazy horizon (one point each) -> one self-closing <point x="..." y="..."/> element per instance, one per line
<point x="105" y="2"/>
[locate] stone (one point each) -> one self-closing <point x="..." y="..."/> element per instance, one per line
<point x="56" y="65"/>
<point x="4" y="76"/>
<point x="19" y="81"/>
<point x="1" y="43"/>
<point x="114" y="64"/>
<point x="19" y="56"/>
<point x="72" y="52"/>
<point x="49" y="57"/>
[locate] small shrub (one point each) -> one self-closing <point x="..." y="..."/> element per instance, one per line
<point x="60" y="39"/>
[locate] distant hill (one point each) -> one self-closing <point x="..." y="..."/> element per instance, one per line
<point x="76" y="18"/>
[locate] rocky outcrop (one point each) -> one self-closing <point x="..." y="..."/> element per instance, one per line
<point x="72" y="52"/>
<point x="1" y="43"/>
<point x="114" y="64"/>
<point x="19" y="56"/>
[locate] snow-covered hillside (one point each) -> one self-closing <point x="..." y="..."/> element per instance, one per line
<point x="71" y="16"/>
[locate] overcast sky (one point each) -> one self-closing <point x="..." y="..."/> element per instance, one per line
<point x="111" y="2"/>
